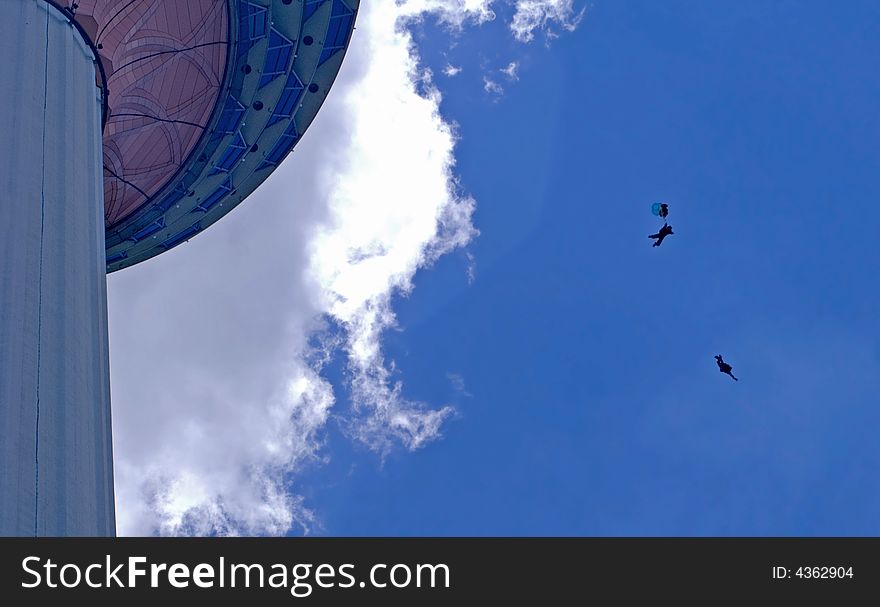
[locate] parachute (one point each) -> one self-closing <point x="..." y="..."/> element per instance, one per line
<point x="660" y="209"/>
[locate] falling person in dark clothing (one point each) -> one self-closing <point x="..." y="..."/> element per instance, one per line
<point x="665" y="231"/>
<point x="724" y="367"/>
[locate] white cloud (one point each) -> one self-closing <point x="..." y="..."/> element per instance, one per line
<point x="457" y="382"/>
<point x="218" y="347"/>
<point x="217" y="389"/>
<point x="532" y="15"/>
<point x="451" y="70"/>
<point x="395" y="210"/>
<point x="510" y="70"/>
<point x="453" y="13"/>
<point x="492" y="87"/>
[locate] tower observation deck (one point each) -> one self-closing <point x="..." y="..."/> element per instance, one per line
<point x="132" y="126"/>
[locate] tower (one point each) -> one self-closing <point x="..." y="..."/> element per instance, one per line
<point x="130" y="128"/>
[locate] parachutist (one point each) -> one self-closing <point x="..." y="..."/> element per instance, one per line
<point x="664" y="210"/>
<point x="665" y="231"/>
<point x="724" y="367"/>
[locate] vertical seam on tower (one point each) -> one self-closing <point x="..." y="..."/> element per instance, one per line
<point x="40" y="282"/>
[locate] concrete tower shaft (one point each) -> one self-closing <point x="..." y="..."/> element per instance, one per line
<point x="56" y="472"/>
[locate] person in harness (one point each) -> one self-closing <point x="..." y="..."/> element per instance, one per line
<point x="665" y="231"/>
<point x="724" y="367"/>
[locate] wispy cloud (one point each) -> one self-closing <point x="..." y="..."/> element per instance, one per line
<point x="492" y="87"/>
<point x="218" y="348"/>
<point x="533" y="15"/>
<point x="457" y="382"/>
<point x="218" y="393"/>
<point x="453" y="13"/>
<point x="451" y="70"/>
<point x="511" y="70"/>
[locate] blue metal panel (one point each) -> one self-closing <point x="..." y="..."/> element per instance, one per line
<point x="236" y="149"/>
<point x="218" y="195"/>
<point x="251" y="26"/>
<point x="311" y="7"/>
<point x="287" y="102"/>
<point x="231" y="116"/>
<point x="117" y="257"/>
<point x="338" y="30"/>
<point x="149" y="230"/>
<point x="182" y="236"/>
<point x="173" y="198"/>
<point x="282" y="147"/>
<point x="277" y="57"/>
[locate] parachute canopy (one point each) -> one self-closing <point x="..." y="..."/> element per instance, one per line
<point x="660" y="209"/>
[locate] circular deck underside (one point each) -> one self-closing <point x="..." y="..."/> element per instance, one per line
<point x="206" y="97"/>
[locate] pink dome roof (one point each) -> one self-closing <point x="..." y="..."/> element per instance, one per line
<point x="160" y="98"/>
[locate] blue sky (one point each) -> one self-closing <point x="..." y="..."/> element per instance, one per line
<point x="591" y="403"/>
